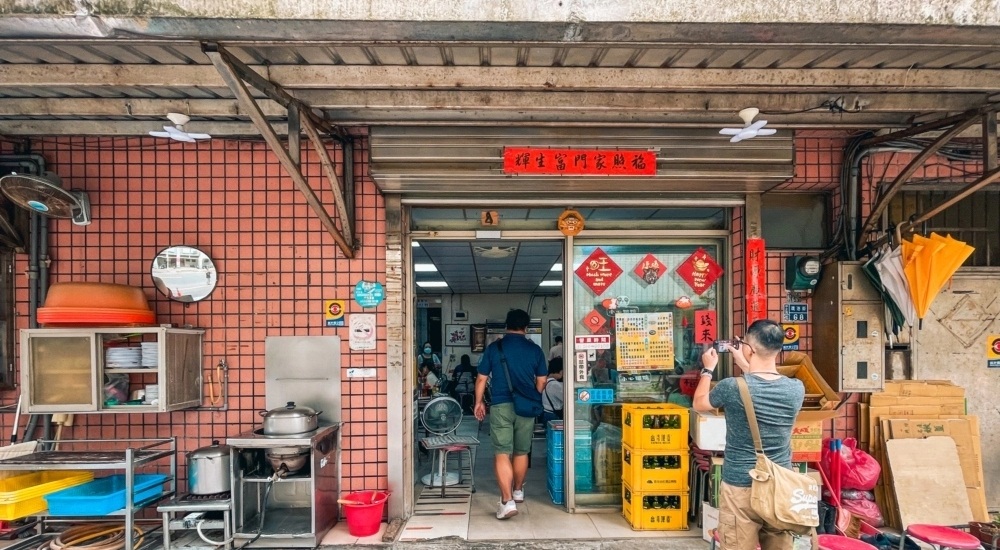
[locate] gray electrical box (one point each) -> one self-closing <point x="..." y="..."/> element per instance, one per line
<point x="848" y="331"/>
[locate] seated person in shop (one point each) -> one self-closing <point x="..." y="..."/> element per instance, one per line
<point x="461" y="387"/>
<point x="552" y="395"/>
<point x="429" y="379"/>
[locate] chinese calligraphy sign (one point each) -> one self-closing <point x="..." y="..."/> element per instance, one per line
<point x="578" y="162"/>
<point x="756" y="283"/>
<point x="699" y="271"/>
<point x="598" y="271"/>
<point x="650" y="269"/>
<point x="706" y="329"/>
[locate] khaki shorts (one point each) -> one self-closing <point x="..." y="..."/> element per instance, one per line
<point x="510" y="433"/>
<point x="740" y="528"/>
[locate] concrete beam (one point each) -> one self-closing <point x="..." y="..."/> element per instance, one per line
<point x="293" y="77"/>
<point x="124" y="128"/>
<point x="902" y="12"/>
<point x="357" y="102"/>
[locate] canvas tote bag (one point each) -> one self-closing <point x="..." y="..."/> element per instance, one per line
<point x="784" y="499"/>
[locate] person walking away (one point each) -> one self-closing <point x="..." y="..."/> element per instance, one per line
<point x="510" y="433"/>
<point x="557" y="349"/>
<point x="776" y="400"/>
<point x="552" y="394"/>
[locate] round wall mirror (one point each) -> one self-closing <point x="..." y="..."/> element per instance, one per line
<point x="184" y="274"/>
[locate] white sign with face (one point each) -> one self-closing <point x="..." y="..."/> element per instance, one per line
<point x="362" y="328"/>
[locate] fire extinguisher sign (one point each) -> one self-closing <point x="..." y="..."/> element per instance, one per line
<point x="993" y="351"/>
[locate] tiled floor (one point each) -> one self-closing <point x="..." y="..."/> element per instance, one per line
<point x="537" y="517"/>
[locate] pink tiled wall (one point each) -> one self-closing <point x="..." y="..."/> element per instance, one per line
<point x="276" y="263"/>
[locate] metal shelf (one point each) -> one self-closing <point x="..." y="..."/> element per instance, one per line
<point x="92" y="460"/>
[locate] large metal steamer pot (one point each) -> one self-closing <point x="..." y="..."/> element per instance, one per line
<point x="209" y="470"/>
<point x="290" y="420"/>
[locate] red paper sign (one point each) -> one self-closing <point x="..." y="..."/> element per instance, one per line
<point x="594" y="321"/>
<point x="649" y="269"/>
<point x="578" y="162"/>
<point x="705" y="329"/>
<point x="598" y="271"/>
<point x="699" y="271"/>
<point x="756" y="285"/>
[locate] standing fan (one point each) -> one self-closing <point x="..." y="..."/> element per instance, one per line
<point x="750" y="129"/>
<point x="441" y="416"/>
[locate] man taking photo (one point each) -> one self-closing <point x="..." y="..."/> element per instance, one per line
<point x="776" y="401"/>
<point x="510" y="433"/>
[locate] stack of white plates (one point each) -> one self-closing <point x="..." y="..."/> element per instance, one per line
<point x="152" y="396"/>
<point x="150" y="354"/>
<point x="123" y="357"/>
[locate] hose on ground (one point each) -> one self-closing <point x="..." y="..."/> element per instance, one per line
<point x="98" y="536"/>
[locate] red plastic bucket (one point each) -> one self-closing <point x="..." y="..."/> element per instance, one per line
<point x="363" y="520"/>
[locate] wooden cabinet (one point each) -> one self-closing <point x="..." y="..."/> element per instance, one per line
<point x="67" y="369"/>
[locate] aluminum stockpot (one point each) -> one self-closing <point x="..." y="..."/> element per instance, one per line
<point x="209" y="470"/>
<point x="290" y="420"/>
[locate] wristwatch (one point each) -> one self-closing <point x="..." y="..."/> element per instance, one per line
<point x="709" y="372"/>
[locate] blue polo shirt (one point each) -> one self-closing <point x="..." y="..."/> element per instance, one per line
<point x="525" y="360"/>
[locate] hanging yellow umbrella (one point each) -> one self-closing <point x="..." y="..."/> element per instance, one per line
<point x="928" y="264"/>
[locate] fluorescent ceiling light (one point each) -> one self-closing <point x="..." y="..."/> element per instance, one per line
<point x="424" y="268"/>
<point x="432" y="284"/>
<point x="550" y="283"/>
<point x="556" y="266"/>
<point x="414" y="244"/>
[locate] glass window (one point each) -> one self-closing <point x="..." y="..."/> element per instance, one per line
<point x="638" y="327"/>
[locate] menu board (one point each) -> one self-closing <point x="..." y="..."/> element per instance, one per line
<point x="645" y="341"/>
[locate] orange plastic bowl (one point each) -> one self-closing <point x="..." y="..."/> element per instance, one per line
<point x="86" y="295"/>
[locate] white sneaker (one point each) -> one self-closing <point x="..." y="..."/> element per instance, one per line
<point x="519" y="495"/>
<point x="506" y="510"/>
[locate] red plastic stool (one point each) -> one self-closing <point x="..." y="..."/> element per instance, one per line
<point x="940" y="536"/>
<point x="837" y="542"/>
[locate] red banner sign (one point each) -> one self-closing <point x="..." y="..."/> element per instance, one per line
<point x="598" y="271"/>
<point x="705" y="328"/>
<point x="756" y="286"/>
<point x="700" y="270"/>
<point x="578" y="162"/>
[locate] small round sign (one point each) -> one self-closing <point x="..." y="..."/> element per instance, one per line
<point x="369" y="293"/>
<point x="995" y="346"/>
<point x="583" y="396"/>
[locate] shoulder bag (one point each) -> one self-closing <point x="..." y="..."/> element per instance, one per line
<point x="545" y="393"/>
<point x="784" y="499"/>
<point x="524" y="405"/>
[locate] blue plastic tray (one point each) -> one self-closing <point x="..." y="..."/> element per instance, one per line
<point x="103" y="496"/>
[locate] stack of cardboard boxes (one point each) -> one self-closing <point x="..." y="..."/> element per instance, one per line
<point x="918" y="409"/>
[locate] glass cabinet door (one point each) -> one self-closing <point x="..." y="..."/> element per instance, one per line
<point x="59" y="372"/>
<point x="641" y="313"/>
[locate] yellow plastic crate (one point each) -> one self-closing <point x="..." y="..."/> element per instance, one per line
<point x="655" y="470"/>
<point x="24" y="495"/>
<point x="655" y="510"/>
<point x="660" y="426"/>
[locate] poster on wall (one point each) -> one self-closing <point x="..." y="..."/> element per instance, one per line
<point x="598" y="271"/>
<point x="699" y="271"/>
<point x="457" y="335"/>
<point x="333" y="313"/>
<point x="645" y="341"/>
<point x="706" y="329"/>
<point x="362" y="329"/>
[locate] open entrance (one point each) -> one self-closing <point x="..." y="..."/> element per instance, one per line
<point x="574" y="480"/>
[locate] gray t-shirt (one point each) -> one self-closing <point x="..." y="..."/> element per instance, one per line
<point x="776" y="403"/>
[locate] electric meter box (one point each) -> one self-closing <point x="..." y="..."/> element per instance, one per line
<point x="848" y="331"/>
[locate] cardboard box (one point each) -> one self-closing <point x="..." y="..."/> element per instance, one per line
<point x="807" y="435"/>
<point x="799" y="365"/>
<point x="923" y="388"/>
<point x="709" y="521"/>
<point x="708" y="430"/>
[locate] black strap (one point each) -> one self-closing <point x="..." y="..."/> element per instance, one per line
<point x="506" y="371"/>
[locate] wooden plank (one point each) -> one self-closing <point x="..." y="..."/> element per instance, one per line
<point x="927" y="481"/>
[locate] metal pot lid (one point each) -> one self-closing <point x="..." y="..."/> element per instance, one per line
<point x="290" y="411"/>
<point x="215" y="450"/>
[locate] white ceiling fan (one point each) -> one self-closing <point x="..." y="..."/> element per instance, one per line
<point x="750" y="129"/>
<point x="177" y="132"/>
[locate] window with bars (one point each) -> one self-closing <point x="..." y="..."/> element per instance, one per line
<point x="974" y="220"/>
